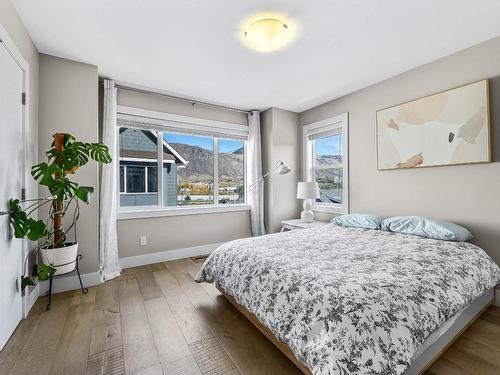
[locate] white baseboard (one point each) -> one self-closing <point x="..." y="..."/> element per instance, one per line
<point x="497" y="297"/>
<point x="30" y="299"/>
<point x="164" y="256"/>
<point x="64" y="284"/>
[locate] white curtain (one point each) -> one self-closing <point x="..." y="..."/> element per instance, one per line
<point x="254" y="173"/>
<point x="108" y="241"/>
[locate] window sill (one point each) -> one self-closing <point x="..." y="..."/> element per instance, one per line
<point x="177" y="211"/>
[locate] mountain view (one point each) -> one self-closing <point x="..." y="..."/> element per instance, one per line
<point x="201" y="162"/>
<point x="328" y="175"/>
<point x="328" y="160"/>
<point x="196" y="178"/>
<point x="195" y="181"/>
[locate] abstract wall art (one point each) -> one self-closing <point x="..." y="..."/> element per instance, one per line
<point x="447" y="128"/>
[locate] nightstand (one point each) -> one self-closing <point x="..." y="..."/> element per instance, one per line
<point x="299" y="224"/>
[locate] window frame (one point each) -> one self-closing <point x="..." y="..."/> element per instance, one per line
<point x="194" y="124"/>
<point x="340" y="121"/>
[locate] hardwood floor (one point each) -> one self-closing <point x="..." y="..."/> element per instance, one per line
<point x="156" y="320"/>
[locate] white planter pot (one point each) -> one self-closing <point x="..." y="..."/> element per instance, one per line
<point x="59" y="256"/>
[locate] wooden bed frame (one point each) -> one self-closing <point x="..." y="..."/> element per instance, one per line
<point x="289" y="353"/>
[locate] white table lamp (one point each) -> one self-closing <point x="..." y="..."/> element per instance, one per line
<point x="307" y="191"/>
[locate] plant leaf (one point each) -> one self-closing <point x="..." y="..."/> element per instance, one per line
<point x="73" y="155"/>
<point x="62" y="188"/>
<point x="68" y="140"/>
<point x="43" y="174"/>
<point x="44" y="271"/>
<point x="81" y="152"/>
<point x="66" y="160"/>
<point x="84" y="192"/>
<point x="18" y="219"/>
<point x="25" y="281"/>
<point x="99" y="152"/>
<point x="37" y="229"/>
<point x="14" y="204"/>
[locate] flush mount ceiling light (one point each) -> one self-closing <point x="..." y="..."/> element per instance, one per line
<point x="268" y="32"/>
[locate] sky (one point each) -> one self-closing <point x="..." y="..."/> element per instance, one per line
<point x="225" y="145"/>
<point x="324" y="146"/>
<point x="329" y="145"/>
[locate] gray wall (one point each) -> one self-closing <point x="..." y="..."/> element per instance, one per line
<point x="177" y="232"/>
<point x="468" y="194"/>
<point x="280" y="141"/>
<point x="163" y="103"/>
<point x="266" y="136"/>
<point x="68" y="104"/>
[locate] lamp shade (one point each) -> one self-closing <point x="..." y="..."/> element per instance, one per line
<point x="307" y="190"/>
<point x="283" y="169"/>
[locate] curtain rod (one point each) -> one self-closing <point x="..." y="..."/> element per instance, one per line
<point x="193" y="102"/>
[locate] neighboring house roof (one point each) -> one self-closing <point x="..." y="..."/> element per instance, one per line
<point x="141" y="144"/>
<point x="176" y="154"/>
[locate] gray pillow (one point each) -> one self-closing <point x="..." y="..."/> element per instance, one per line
<point x="358" y="221"/>
<point x="425" y="227"/>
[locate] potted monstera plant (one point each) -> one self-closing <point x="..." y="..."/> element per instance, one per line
<point x="64" y="159"/>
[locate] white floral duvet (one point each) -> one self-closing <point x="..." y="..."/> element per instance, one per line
<point x="351" y="301"/>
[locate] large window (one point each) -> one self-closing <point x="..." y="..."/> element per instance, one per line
<point x="166" y="168"/>
<point x="326" y="162"/>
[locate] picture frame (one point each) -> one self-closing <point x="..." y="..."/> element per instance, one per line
<point x="451" y="127"/>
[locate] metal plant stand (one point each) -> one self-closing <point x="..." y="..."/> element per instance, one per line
<point x="49" y="292"/>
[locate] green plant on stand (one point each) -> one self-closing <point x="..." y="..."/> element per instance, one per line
<point x="64" y="158"/>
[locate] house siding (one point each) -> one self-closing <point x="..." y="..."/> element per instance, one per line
<point x="170" y="185"/>
<point x="131" y="139"/>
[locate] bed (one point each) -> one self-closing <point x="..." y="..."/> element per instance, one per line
<point x="342" y="300"/>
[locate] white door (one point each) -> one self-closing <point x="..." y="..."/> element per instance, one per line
<point x="11" y="180"/>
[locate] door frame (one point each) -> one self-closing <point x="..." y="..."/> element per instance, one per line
<point x="28" y="299"/>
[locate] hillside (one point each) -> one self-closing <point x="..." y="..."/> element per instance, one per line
<point x="200" y="166"/>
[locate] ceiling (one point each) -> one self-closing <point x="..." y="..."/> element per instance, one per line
<point x="191" y="48"/>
